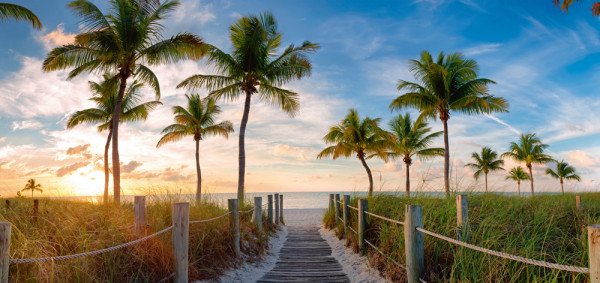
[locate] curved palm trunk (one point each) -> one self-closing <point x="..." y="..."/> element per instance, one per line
<point x="198" y="173"/>
<point x="486" y="188"/>
<point x="519" y="186"/>
<point x="407" y="179"/>
<point x="562" y="188"/>
<point x="115" y="141"/>
<point x="242" y="151"/>
<point x="531" y="178"/>
<point x="446" y="159"/>
<point x="364" y="163"/>
<point x="106" y="147"/>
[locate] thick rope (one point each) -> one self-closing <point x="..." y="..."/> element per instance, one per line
<point x="388" y="257"/>
<point x="353" y="207"/>
<point x="384" y="218"/>
<point x="352" y="229"/>
<point x="508" y="256"/>
<point x="167" y="278"/>
<point x="65" y="257"/>
<point x="208" y="220"/>
<point x="246" y="211"/>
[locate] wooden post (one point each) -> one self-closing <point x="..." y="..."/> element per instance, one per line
<point x="7" y="203"/>
<point x="594" y="252"/>
<point x="181" y="234"/>
<point x="578" y="202"/>
<point x="346" y="214"/>
<point x="277" y="209"/>
<point x="5" y="228"/>
<point x="363" y="205"/>
<point x="413" y="243"/>
<point x="281" y="209"/>
<point x="36" y="204"/>
<point x="330" y="203"/>
<point x="234" y="222"/>
<point x="338" y="213"/>
<point x="270" y="209"/>
<point x="258" y="213"/>
<point x="462" y="217"/>
<point x="139" y="209"/>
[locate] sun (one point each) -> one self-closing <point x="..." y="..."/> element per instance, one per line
<point x="90" y="184"/>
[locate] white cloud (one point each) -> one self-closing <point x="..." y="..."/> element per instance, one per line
<point x="2" y="139"/>
<point x="194" y="11"/>
<point x="56" y="38"/>
<point x="503" y="123"/>
<point x="235" y="15"/>
<point x="581" y="158"/>
<point x="481" y="49"/>
<point x="27" y="124"/>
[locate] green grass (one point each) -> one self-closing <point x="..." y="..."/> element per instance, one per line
<point x="70" y="227"/>
<point x="546" y="228"/>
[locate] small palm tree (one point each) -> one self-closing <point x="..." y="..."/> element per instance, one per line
<point x="254" y="67"/>
<point x="16" y="12"/>
<point x="105" y="95"/>
<point x="530" y="150"/>
<point x="355" y="136"/>
<point x="125" y="42"/>
<point x="485" y="162"/>
<point x="197" y="120"/>
<point x="564" y="171"/>
<point x="412" y="139"/>
<point x="517" y="174"/>
<point x="32" y="186"/>
<point x="449" y="84"/>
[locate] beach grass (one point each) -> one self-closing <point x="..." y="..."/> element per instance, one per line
<point x="546" y="228"/>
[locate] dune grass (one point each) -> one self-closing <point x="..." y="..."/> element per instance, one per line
<point x="546" y="228"/>
<point x="67" y="227"/>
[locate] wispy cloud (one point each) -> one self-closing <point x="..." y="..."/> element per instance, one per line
<point x="503" y="123"/>
<point x="27" y="124"/>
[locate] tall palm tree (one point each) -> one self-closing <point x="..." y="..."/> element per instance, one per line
<point x="412" y="139"/>
<point x="564" y="5"/>
<point x="355" y="136"/>
<point x="254" y="67"/>
<point x="124" y="41"/>
<point x="32" y="186"/>
<point x="564" y="171"/>
<point x="105" y="95"/>
<point x="449" y="84"/>
<point x="530" y="150"/>
<point x="197" y="120"/>
<point x="517" y="174"/>
<point x="485" y="162"/>
<point x="16" y="12"/>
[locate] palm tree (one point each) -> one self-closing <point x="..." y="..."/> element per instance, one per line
<point x="197" y="120"/>
<point x="355" y="136"/>
<point x="564" y="171"/>
<point x="410" y="139"/>
<point x="124" y="42"/>
<point x="16" y="12"/>
<point x="254" y="67"/>
<point x="530" y="150"/>
<point x="517" y="174"/>
<point x="105" y="95"/>
<point x="485" y="162"/>
<point x="32" y="186"/>
<point x="564" y="5"/>
<point x="450" y="84"/>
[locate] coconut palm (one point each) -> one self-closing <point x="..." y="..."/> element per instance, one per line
<point x="105" y="95"/>
<point x="16" y="12"/>
<point x="355" y="136"/>
<point x="484" y="163"/>
<point x="412" y="139"/>
<point x="32" y="186"/>
<point x="517" y="174"/>
<point x="564" y="5"/>
<point x="197" y="120"/>
<point x="564" y="171"/>
<point x="449" y="84"/>
<point x="254" y="67"/>
<point x="530" y="150"/>
<point x="125" y="42"/>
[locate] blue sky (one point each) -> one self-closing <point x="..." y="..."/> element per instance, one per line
<point x="544" y="63"/>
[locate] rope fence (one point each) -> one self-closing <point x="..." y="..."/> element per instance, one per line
<point x="208" y="220"/>
<point x="386" y="256"/>
<point x="384" y="218"/>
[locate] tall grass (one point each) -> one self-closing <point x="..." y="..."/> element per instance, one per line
<point x="546" y="228"/>
<point x="69" y="227"/>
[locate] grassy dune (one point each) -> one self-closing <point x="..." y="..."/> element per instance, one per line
<point x="69" y="227"/>
<point x="547" y="228"/>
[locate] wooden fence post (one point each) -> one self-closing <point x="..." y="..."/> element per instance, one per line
<point x="5" y="228"/>
<point x="270" y="210"/>
<point x="258" y="213"/>
<point x="139" y="218"/>
<point x="330" y="203"/>
<point x="363" y="205"/>
<point x="462" y="217"/>
<point x="181" y="234"/>
<point x="578" y="202"/>
<point x="413" y="243"/>
<point x="281" y="209"/>
<point x="234" y="222"/>
<point x="346" y="214"/>
<point x="336" y="205"/>
<point x="277" y="209"/>
<point x="36" y="204"/>
<point x="594" y="252"/>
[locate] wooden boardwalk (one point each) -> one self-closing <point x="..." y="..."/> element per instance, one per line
<point x="305" y="257"/>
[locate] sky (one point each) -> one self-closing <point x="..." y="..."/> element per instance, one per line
<point x="544" y="62"/>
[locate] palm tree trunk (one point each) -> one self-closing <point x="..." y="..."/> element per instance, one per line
<point x="519" y="187"/>
<point x="115" y="139"/>
<point x="407" y="180"/>
<point x="31" y="193"/>
<point x="446" y="159"/>
<point x="364" y="163"/>
<point x="486" y="188"/>
<point x="199" y="174"/>
<point x="242" y="151"/>
<point x="531" y="178"/>
<point x="106" y="147"/>
<point x="562" y="188"/>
